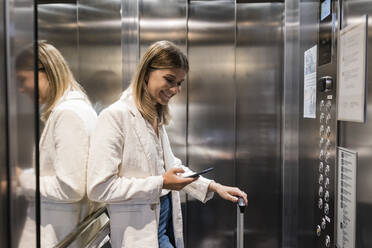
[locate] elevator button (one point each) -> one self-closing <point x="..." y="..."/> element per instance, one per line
<point x="326" y="196"/>
<point x="322" y="117"/>
<point x="328" y="241"/>
<point x="323" y="224"/>
<point x="321" y="179"/>
<point x="328" y="105"/>
<point x="326" y="209"/>
<point x="321" y="130"/>
<point x="320" y="203"/>
<point x="321" y="105"/>
<point x="320" y="191"/>
<point x="318" y="231"/>
<point x="321" y="155"/>
<point x="326" y="184"/>
<point x="321" y="142"/>
<point x="328" y="131"/>
<point x="321" y="167"/>
<point x="327" y="170"/>
<point x="328" y="118"/>
<point x="328" y="144"/>
<point x="327" y="157"/>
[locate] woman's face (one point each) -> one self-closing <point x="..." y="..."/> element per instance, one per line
<point x="27" y="85"/>
<point x="163" y="84"/>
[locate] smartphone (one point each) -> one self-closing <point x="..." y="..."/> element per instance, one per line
<point x="200" y="173"/>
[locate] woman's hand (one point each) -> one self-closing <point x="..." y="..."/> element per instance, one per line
<point x="228" y="193"/>
<point x="173" y="181"/>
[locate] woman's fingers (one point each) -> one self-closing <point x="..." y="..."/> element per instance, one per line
<point x="175" y="182"/>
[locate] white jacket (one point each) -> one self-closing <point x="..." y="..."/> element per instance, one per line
<point x="64" y="147"/>
<point x="122" y="172"/>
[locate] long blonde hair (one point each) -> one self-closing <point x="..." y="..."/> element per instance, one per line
<point x="59" y="75"/>
<point x="160" y="55"/>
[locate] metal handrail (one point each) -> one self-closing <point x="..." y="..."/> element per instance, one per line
<point x="80" y="228"/>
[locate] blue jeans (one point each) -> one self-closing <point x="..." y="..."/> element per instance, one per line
<point x="165" y="231"/>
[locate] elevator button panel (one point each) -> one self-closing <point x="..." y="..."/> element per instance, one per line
<point x="326" y="128"/>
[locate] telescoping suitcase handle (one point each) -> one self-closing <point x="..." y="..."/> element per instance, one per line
<point x="240" y="223"/>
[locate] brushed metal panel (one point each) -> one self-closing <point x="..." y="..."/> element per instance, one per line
<point x="308" y="133"/>
<point x="170" y="23"/>
<point x="57" y="24"/>
<point x="357" y="136"/>
<point x="130" y="39"/>
<point x="290" y="124"/>
<point x="21" y="110"/>
<point x="4" y="199"/>
<point x="259" y="79"/>
<point x="211" y="117"/>
<point x="100" y="53"/>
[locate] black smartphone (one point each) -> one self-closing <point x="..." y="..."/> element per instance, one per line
<point x="200" y="173"/>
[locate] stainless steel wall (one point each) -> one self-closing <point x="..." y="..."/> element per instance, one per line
<point x="21" y="110"/>
<point x="159" y="23"/>
<point x="357" y="136"/>
<point x="290" y="125"/>
<point x="57" y="24"/>
<point x="4" y="199"/>
<point x="129" y="39"/>
<point x="100" y="51"/>
<point x="259" y="79"/>
<point x="308" y="132"/>
<point x="211" y="113"/>
<point x="222" y="126"/>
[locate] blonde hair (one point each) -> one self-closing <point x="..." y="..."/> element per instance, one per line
<point x="59" y="75"/>
<point x="160" y="55"/>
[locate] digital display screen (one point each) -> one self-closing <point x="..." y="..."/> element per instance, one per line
<point x="325" y="9"/>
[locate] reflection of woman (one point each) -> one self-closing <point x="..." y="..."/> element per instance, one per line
<point x="131" y="165"/>
<point x="64" y="143"/>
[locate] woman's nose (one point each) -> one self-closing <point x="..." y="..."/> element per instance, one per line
<point x="175" y="89"/>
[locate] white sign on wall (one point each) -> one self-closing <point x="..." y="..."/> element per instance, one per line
<point x="310" y="58"/>
<point x="352" y="72"/>
<point x="346" y="198"/>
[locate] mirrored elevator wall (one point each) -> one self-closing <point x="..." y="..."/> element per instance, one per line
<point x="88" y="33"/>
<point x="19" y="122"/>
<point x="4" y="213"/>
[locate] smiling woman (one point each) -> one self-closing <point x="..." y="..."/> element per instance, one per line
<point x="131" y="164"/>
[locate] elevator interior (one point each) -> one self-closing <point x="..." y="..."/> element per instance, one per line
<point x="241" y="109"/>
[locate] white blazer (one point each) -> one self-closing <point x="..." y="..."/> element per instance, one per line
<point x="64" y="147"/>
<point x="122" y="172"/>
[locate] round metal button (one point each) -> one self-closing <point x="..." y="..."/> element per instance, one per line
<point x="328" y="144"/>
<point x="326" y="196"/>
<point x="328" y="131"/>
<point x="320" y="192"/>
<point x="321" y="142"/>
<point x="326" y="209"/>
<point x="328" y="118"/>
<point x="327" y="156"/>
<point x="321" y="167"/>
<point x="323" y="224"/>
<point x="321" y="117"/>
<point x="320" y="203"/>
<point x="321" y="105"/>
<point x="327" y="170"/>
<point x="318" y="231"/>
<point x="328" y="241"/>
<point x="321" y="179"/>
<point x="321" y="155"/>
<point x="321" y="130"/>
<point x="326" y="184"/>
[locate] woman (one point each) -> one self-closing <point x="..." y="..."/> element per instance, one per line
<point x="131" y="165"/>
<point x="64" y="144"/>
